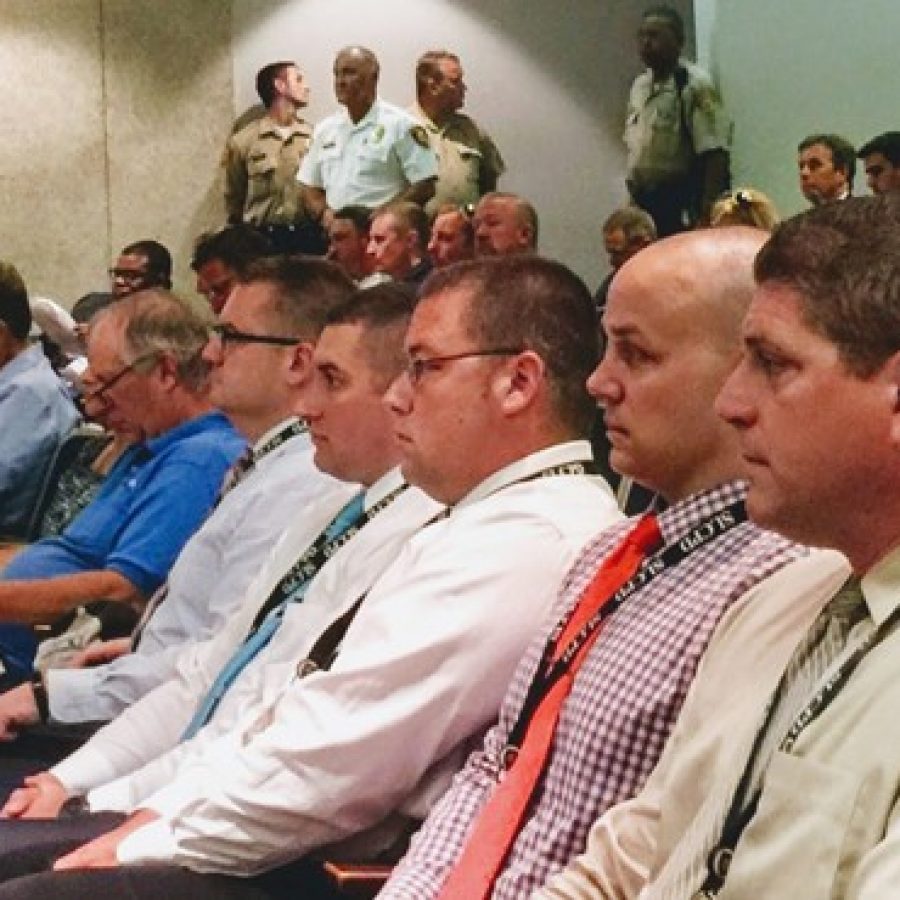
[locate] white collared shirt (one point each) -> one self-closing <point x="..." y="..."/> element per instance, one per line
<point x="287" y="765"/>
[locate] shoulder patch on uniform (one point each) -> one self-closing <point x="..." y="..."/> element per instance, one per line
<point x="419" y="135"/>
<point x="706" y="98"/>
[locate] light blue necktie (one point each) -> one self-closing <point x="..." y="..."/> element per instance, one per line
<point x="257" y="640"/>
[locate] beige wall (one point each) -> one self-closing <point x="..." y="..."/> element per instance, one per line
<point x="113" y="114"/>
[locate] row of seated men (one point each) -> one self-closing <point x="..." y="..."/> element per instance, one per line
<point x="697" y="699"/>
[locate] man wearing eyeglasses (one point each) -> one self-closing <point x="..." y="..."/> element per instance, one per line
<point x="260" y="359"/>
<point x="140" y="266"/>
<point x="350" y="757"/>
<point x="144" y="353"/>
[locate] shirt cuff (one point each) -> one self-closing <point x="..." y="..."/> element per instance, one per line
<point x="73" y="694"/>
<point x="154" y="843"/>
<point x="83" y="770"/>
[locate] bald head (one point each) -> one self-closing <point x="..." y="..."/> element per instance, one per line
<point x="673" y="329"/>
<point x="703" y="279"/>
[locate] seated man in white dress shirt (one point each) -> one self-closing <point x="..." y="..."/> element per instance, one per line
<point x="260" y="358"/>
<point x="489" y="417"/>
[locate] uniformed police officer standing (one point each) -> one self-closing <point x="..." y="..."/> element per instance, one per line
<point x="469" y="163"/>
<point x="677" y="132"/>
<point x="371" y="152"/>
<point x="261" y="163"/>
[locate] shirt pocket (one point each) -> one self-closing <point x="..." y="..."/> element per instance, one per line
<point x="260" y="169"/>
<point x="800" y="831"/>
<point x="372" y="162"/>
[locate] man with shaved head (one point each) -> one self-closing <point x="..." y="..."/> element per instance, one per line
<point x="369" y="153"/>
<point x="673" y="328"/>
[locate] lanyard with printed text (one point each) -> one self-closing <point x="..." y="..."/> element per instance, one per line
<point x="549" y="672"/>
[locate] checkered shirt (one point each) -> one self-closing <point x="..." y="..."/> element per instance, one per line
<point x="621" y="708"/>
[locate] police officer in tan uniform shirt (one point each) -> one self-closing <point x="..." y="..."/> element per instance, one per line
<point x="469" y="163"/>
<point x="261" y="163"/>
<point x="677" y="132"/>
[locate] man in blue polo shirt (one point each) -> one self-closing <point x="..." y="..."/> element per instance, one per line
<point x="144" y="352"/>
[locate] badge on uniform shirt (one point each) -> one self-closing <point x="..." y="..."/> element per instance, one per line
<point x="419" y="135"/>
<point x="377" y="134"/>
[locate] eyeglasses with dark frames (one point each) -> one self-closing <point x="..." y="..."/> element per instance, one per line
<point x="99" y="392"/>
<point x="227" y="334"/>
<point x="416" y="368"/>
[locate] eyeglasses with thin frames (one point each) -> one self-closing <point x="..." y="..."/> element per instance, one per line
<point x="99" y="392"/>
<point x="227" y="334"/>
<point x="416" y="368"/>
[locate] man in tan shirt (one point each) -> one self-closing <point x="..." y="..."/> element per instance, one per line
<point x="469" y="163"/>
<point x="262" y="159"/>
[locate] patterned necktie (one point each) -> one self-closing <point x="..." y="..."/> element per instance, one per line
<point x="498" y="822"/>
<point x="258" y="639"/>
<point x="824" y="643"/>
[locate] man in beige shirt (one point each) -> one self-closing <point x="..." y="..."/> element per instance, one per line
<point x="469" y="163"/>
<point x="261" y="162"/>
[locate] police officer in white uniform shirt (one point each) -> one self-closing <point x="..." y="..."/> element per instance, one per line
<point x="369" y="153"/>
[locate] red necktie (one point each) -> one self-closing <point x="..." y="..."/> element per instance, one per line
<point x="498" y="823"/>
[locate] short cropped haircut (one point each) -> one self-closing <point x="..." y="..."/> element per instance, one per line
<point x="843" y="260"/>
<point x="265" y="80"/>
<point x="671" y="16"/>
<point x="234" y="245"/>
<point x="428" y="66"/>
<point x="304" y="291"/>
<point x="410" y="216"/>
<point x="633" y="222"/>
<point x="843" y="154"/>
<point x="383" y="311"/>
<point x="358" y="215"/>
<point x="157" y="323"/>
<point x="535" y="304"/>
<point x="525" y="212"/>
<point x="468" y="229"/>
<point x="159" y="262"/>
<point x="15" y="312"/>
<point x="887" y="144"/>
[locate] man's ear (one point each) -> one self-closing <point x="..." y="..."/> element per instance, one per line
<point x="167" y="367"/>
<point x="519" y="382"/>
<point x="300" y="366"/>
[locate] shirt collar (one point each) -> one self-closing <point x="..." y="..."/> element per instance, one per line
<point x="369" y="118"/>
<point x="686" y="514"/>
<point x="881" y="586"/>
<point x="284" y="423"/>
<point x="557" y="455"/>
<point x="388" y="482"/>
<point x="156" y="445"/>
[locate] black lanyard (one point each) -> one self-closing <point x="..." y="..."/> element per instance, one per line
<point x="743" y="807"/>
<point x="316" y="555"/>
<point x="549" y="672"/>
<point x="326" y="648"/>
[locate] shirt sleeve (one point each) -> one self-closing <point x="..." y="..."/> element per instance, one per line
<point x="709" y="122"/>
<point x="235" y="181"/>
<point x="422" y="669"/>
<point x="166" y="513"/>
<point x="310" y="171"/>
<point x="414" y="152"/>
